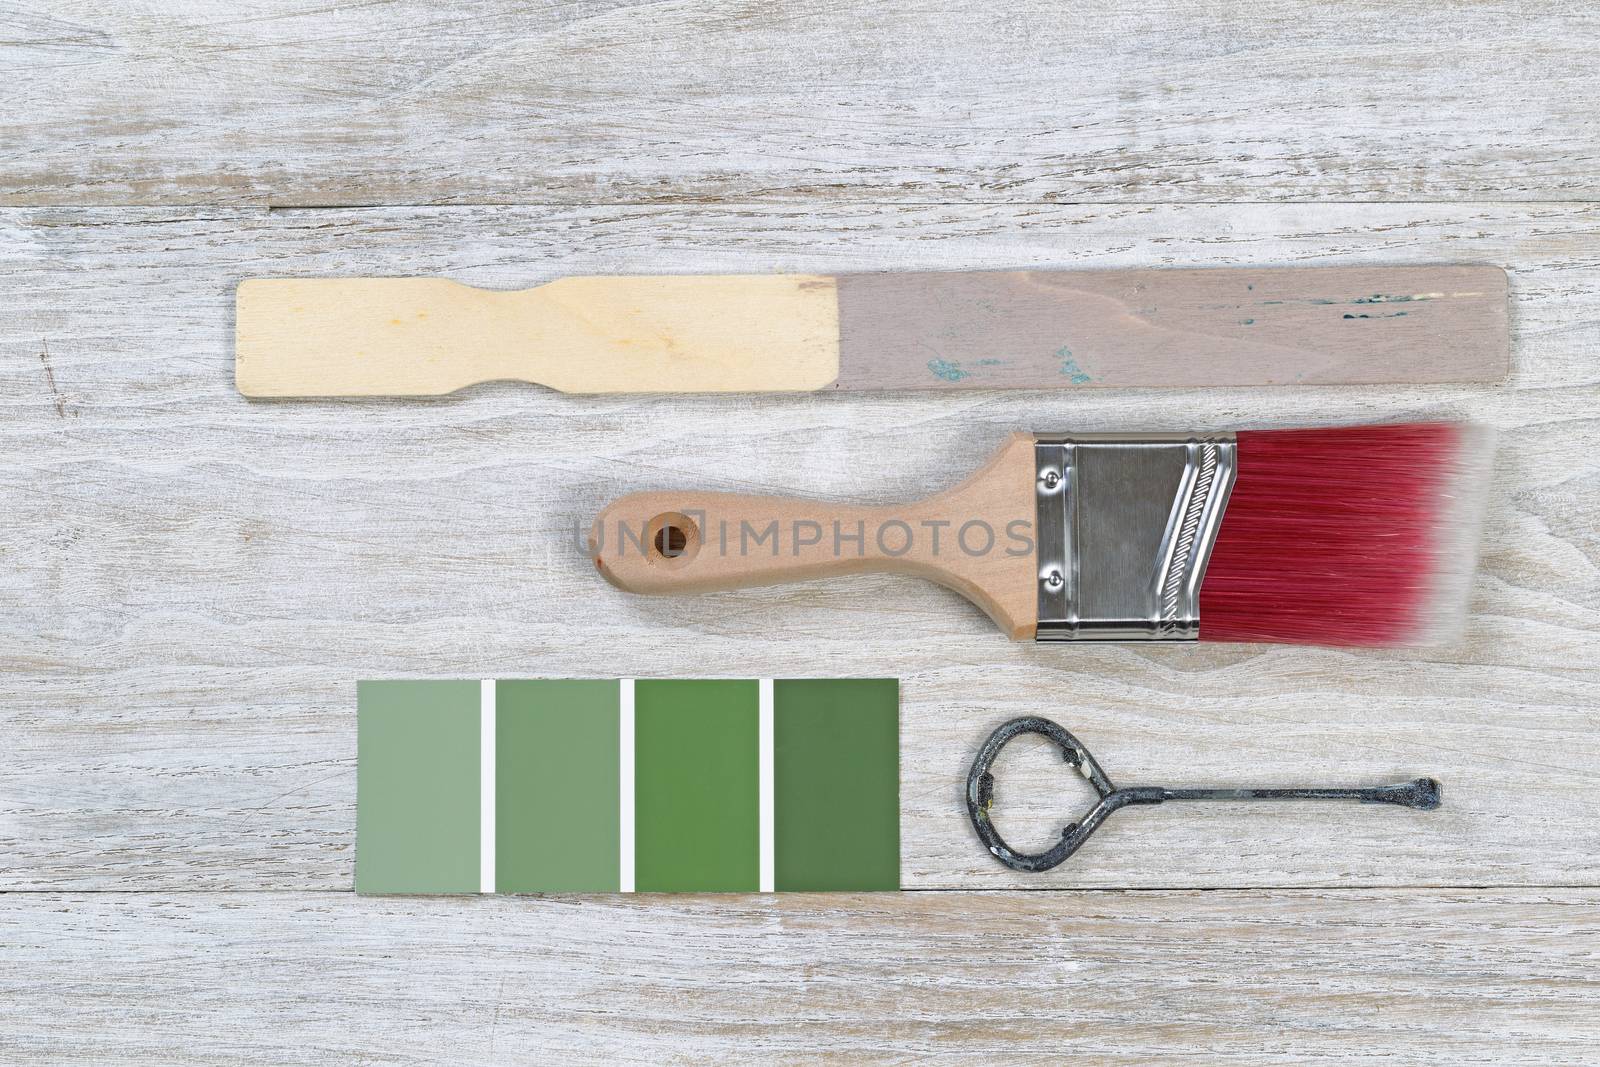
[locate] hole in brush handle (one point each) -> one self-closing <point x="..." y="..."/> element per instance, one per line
<point x="673" y="538"/>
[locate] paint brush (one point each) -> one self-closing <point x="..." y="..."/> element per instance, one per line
<point x="803" y="332"/>
<point x="1361" y="535"/>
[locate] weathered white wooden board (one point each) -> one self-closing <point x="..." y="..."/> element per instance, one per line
<point x="1439" y="977"/>
<point x="193" y="581"/>
<point x="190" y="583"/>
<point x="908" y="101"/>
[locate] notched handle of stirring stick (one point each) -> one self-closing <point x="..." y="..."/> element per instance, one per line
<point x="432" y="336"/>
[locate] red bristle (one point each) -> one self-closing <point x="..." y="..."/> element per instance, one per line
<point x="1330" y="536"/>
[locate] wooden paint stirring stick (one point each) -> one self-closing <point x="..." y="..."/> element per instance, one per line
<point x="1039" y="329"/>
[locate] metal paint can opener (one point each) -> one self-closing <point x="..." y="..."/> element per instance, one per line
<point x="1421" y="793"/>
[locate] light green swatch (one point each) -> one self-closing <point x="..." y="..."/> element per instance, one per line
<point x="417" y="753"/>
<point x="836" y="784"/>
<point x="696" y="786"/>
<point x="556" y="787"/>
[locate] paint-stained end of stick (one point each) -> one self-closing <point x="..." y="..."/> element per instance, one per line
<point x="1174" y="327"/>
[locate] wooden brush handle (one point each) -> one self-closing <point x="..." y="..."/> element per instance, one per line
<point x="976" y="538"/>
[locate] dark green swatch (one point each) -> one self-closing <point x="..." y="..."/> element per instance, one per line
<point x="417" y="787"/>
<point x="836" y="784"/>
<point x="696" y="786"/>
<point x="556" y="797"/>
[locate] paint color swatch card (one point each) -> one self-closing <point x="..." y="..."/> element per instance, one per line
<point x="547" y="786"/>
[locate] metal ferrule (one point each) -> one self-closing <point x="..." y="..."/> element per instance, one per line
<point x="1126" y="524"/>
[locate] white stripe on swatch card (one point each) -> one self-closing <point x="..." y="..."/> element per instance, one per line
<point x="625" y="809"/>
<point x="767" y="877"/>
<point x="486" y="761"/>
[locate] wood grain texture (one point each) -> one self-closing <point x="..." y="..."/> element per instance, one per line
<point x="431" y="336"/>
<point x="1445" y="977"/>
<point x="319" y="337"/>
<point x="193" y="580"/>
<point x="693" y="101"/>
<point x="975" y="538"/>
<point x="189" y="582"/>
<point x="1172" y="328"/>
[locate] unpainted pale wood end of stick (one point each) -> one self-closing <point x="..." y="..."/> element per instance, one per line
<point x="431" y="336"/>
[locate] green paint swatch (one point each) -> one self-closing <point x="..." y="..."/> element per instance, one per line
<point x="695" y="820"/>
<point x="696" y="783"/>
<point x="556" y="787"/>
<point x="836" y="784"/>
<point x="417" y="787"/>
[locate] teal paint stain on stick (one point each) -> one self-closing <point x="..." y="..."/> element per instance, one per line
<point x="952" y="371"/>
<point x="1070" y="369"/>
